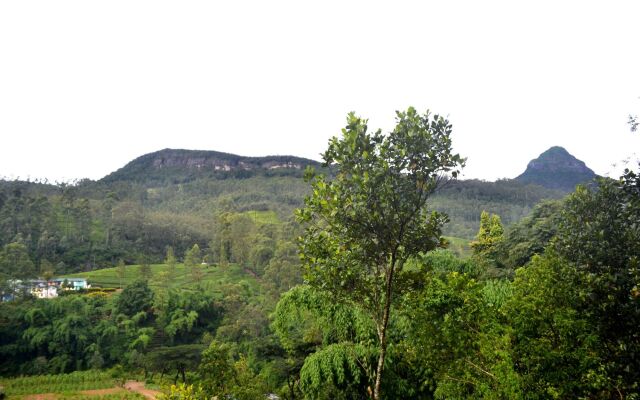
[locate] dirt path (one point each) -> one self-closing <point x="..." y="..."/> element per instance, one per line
<point x="53" y="396"/>
<point x="100" y="392"/>
<point x="132" y="386"/>
<point x="41" y="396"/>
<point x="250" y="272"/>
<point x="138" y="387"/>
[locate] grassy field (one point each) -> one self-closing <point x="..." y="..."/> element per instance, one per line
<point x="105" y="394"/>
<point x="263" y="217"/>
<point x="459" y="246"/>
<point x="67" y="386"/>
<point x="117" y="395"/>
<point x="213" y="277"/>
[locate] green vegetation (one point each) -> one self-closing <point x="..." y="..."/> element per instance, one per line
<point x="142" y="209"/>
<point x="464" y="201"/>
<point x="362" y="226"/>
<point x="460" y="247"/>
<point x="203" y="294"/>
<point x="122" y="395"/>
<point x="489" y="235"/>
<point x="64" y="383"/>
<point x="213" y="276"/>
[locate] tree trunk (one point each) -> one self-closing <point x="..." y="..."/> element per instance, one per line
<point x="291" y="383"/>
<point x="382" y="333"/>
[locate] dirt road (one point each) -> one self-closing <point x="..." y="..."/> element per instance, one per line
<point x="133" y="386"/>
<point x="138" y="387"/>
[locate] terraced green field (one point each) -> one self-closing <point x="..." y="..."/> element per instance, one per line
<point x="459" y="246"/>
<point x="263" y="217"/>
<point x="213" y="277"/>
<point x="79" y="385"/>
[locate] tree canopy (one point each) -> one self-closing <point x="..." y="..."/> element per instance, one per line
<point x="363" y="225"/>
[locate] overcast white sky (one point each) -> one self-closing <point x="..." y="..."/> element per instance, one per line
<point x="86" y="86"/>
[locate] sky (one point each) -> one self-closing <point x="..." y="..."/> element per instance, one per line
<point x="86" y="86"/>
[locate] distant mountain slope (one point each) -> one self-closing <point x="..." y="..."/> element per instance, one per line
<point x="180" y="198"/>
<point x="177" y="165"/>
<point x="208" y="179"/>
<point x="465" y="200"/>
<point x="556" y="169"/>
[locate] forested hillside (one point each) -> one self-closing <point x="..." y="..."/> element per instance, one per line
<point x="180" y="198"/>
<point x="463" y="201"/>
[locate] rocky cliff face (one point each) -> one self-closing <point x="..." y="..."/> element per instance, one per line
<point x="178" y="164"/>
<point x="557" y="169"/>
<point x="219" y="162"/>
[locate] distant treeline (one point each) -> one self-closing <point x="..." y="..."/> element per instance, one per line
<point x="91" y="225"/>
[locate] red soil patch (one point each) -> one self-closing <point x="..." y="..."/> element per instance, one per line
<point x="100" y="392"/>
<point x="53" y="396"/>
<point x="138" y="387"/>
<point x="132" y="386"/>
<point x="42" y="396"/>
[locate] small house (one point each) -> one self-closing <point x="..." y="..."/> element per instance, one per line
<point x="43" y="289"/>
<point x="71" y="283"/>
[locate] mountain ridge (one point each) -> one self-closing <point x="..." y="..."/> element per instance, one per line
<point x="174" y="162"/>
<point x="554" y="169"/>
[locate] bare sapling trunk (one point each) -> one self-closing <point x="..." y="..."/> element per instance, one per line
<point x="382" y="332"/>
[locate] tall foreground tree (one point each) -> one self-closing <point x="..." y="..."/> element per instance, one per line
<point x="364" y="224"/>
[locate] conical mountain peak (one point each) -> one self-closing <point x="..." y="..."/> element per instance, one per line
<point x="556" y="168"/>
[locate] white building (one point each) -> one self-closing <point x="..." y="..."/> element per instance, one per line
<point x="71" y="283"/>
<point x="43" y="290"/>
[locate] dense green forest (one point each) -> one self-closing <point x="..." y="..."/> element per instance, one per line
<point x="333" y="283"/>
<point x="90" y="225"/>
